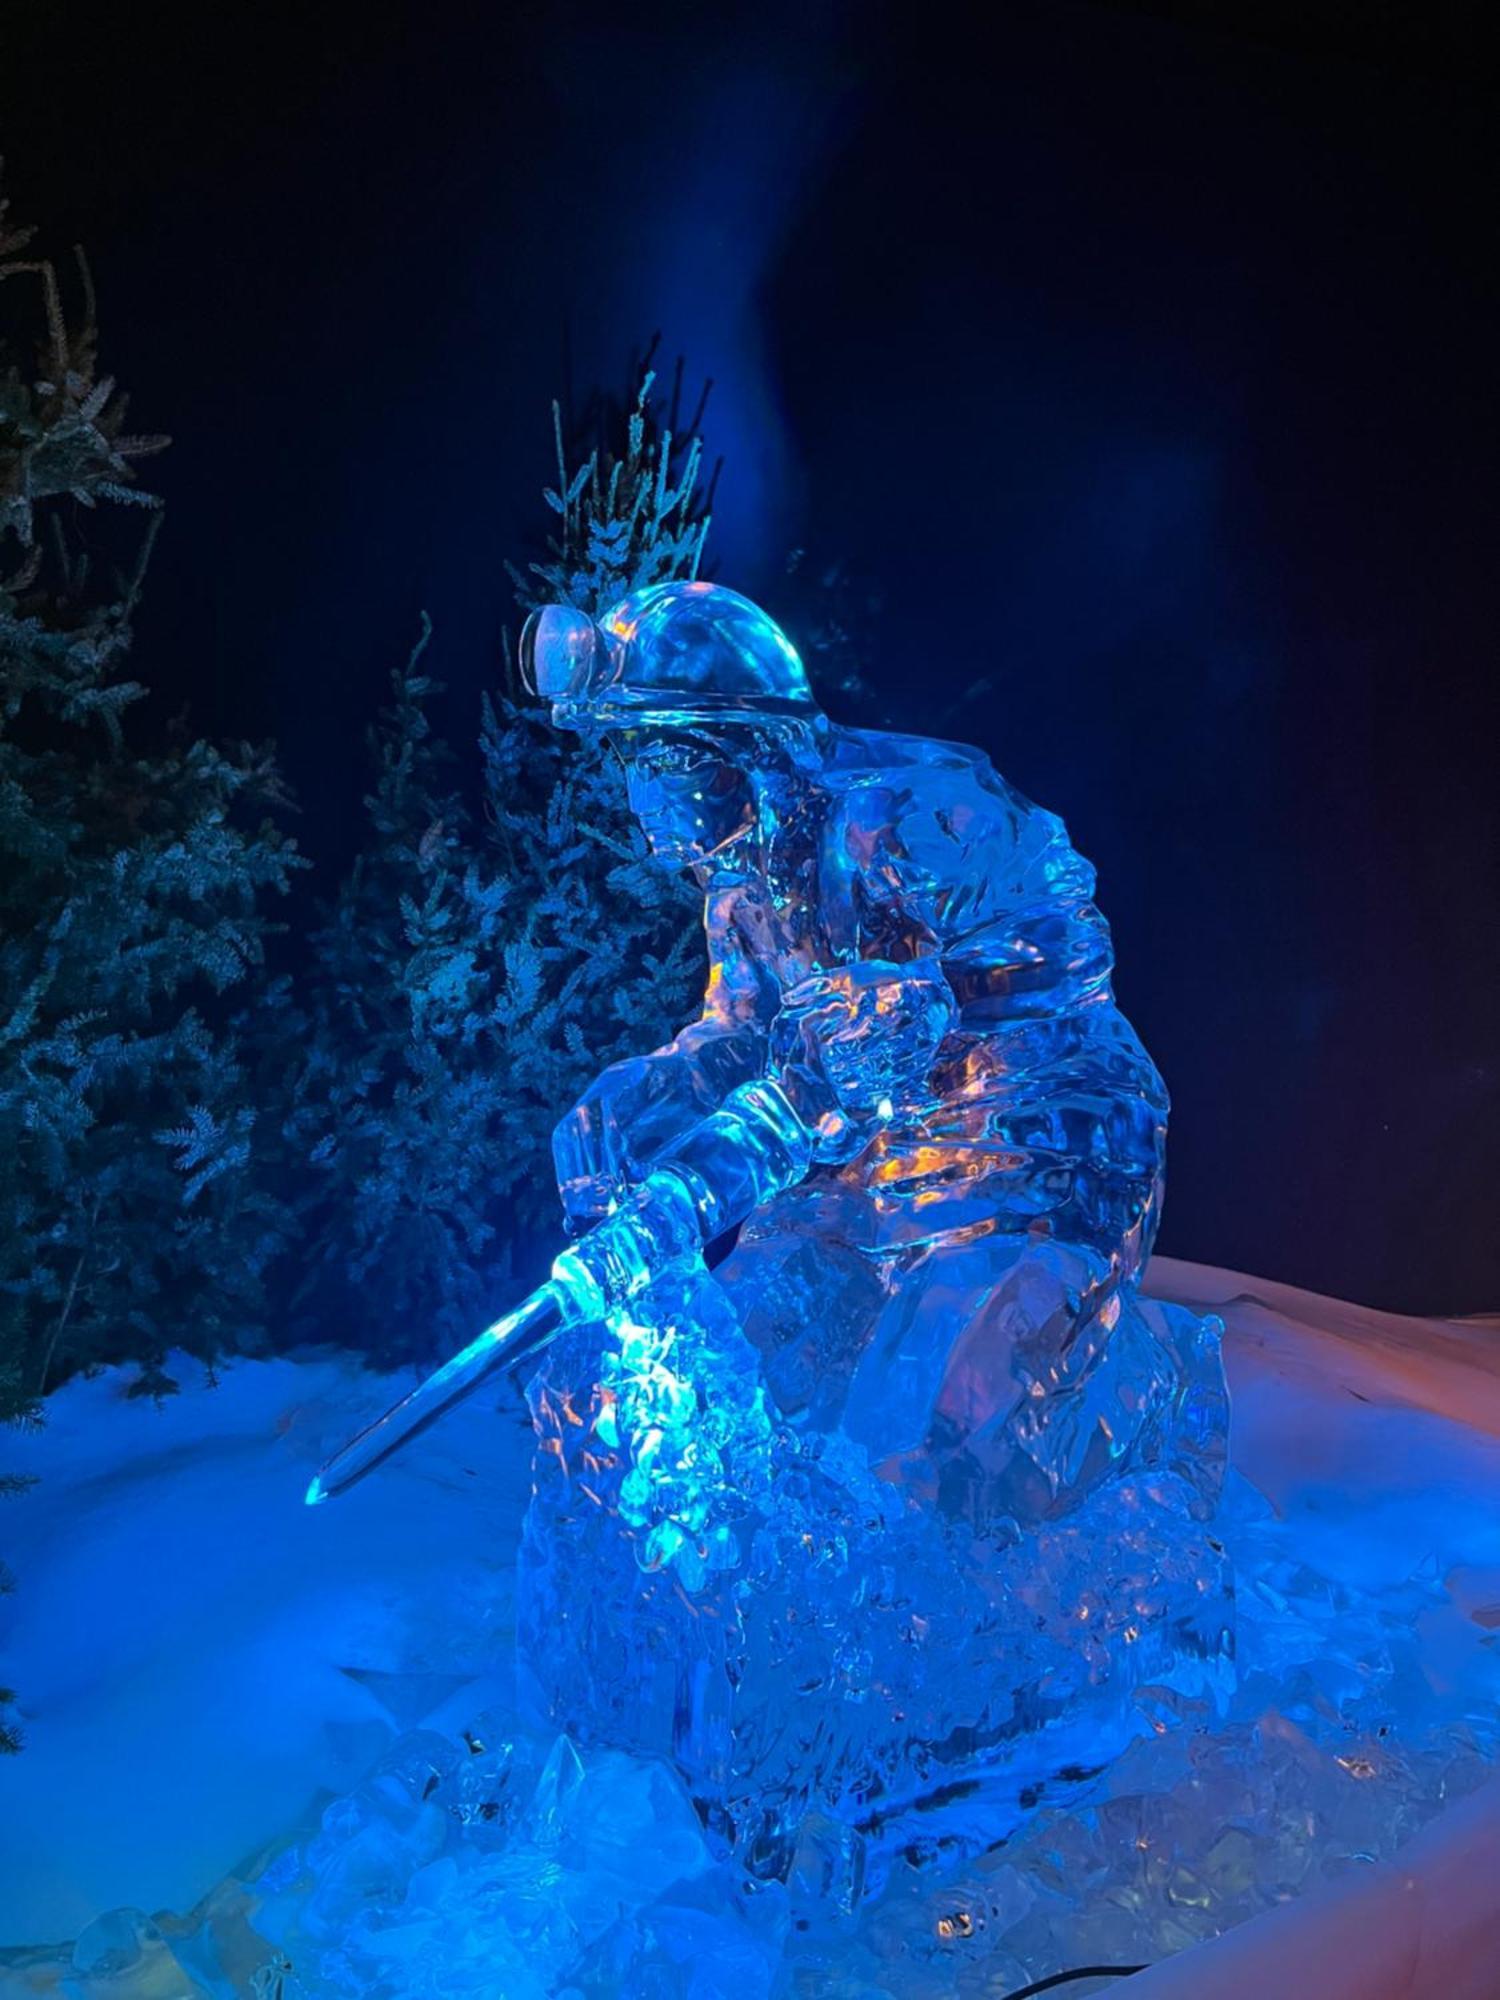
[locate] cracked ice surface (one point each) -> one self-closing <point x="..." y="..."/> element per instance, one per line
<point x="312" y="1721"/>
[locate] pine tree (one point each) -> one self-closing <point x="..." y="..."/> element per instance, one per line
<point x="478" y="966"/>
<point x="131" y="886"/>
<point x="132" y="883"/>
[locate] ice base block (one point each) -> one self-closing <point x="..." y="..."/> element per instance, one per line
<point x="867" y="1675"/>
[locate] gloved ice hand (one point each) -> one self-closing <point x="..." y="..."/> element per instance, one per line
<point x="636" y="1109"/>
<point x="590" y="1154"/>
<point x="851" y="1045"/>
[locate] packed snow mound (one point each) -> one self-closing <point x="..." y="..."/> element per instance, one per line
<point x="298" y="1726"/>
<point x="197" y="1653"/>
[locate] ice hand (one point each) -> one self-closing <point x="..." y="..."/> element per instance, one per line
<point x="636" y="1108"/>
<point x="590" y="1158"/>
<point x="850" y="1046"/>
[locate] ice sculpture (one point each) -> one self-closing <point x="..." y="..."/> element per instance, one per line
<point x="904" y="1505"/>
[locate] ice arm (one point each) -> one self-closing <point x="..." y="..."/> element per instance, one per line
<point x="849" y="1036"/>
<point x="635" y="1109"/>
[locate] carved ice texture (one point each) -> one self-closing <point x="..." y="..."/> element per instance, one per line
<point x="897" y="1520"/>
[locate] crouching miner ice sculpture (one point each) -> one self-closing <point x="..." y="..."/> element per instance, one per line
<point x="896" y="1521"/>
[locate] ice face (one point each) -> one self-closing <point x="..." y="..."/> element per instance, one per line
<point x="907" y="1499"/>
<point x="691" y="799"/>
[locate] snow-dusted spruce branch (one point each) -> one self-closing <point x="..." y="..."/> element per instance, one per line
<point x="61" y="421"/>
<point x="633" y="511"/>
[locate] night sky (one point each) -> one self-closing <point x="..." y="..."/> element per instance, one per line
<point x="1140" y="361"/>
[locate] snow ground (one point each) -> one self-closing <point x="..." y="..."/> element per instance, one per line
<point x="199" y="1655"/>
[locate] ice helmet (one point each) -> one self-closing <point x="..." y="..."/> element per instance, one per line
<point x="683" y="652"/>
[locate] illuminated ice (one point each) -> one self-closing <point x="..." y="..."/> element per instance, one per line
<point x="897" y="1522"/>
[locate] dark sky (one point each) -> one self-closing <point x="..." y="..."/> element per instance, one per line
<point x="1141" y="360"/>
